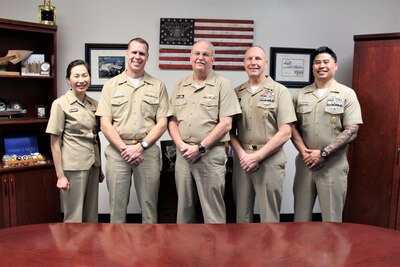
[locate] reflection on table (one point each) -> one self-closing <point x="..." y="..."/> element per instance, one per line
<point x="260" y="244"/>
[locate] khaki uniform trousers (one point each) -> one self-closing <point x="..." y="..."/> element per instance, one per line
<point x="146" y="178"/>
<point x="207" y="174"/>
<point x="264" y="185"/>
<point x="81" y="201"/>
<point x="329" y="183"/>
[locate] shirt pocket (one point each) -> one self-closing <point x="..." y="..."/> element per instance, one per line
<point x="119" y="107"/>
<point x="266" y="111"/>
<point x="333" y="116"/>
<point x="210" y="106"/>
<point x="304" y="115"/>
<point x="179" y="108"/>
<point x="150" y="105"/>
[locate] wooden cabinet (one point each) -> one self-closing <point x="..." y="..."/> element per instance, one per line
<point x="29" y="196"/>
<point x="373" y="190"/>
<point x="29" y="192"/>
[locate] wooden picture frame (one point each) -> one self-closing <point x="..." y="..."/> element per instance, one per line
<point x="291" y="67"/>
<point x="105" y="61"/>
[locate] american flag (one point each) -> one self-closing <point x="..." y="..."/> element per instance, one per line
<point x="230" y="38"/>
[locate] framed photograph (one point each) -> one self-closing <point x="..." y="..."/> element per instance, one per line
<point x="31" y="65"/>
<point x="105" y="61"/>
<point x="41" y="112"/>
<point x="291" y="67"/>
<point x="168" y="150"/>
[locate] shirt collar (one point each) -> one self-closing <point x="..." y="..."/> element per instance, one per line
<point x="312" y="87"/>
<point x="72" y="98"/>
<point x="268" y="83"/>
<point x="123" y="79"/>
<point x="210" y="80"/>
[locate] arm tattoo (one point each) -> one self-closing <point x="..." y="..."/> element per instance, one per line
<point x="343" y="139"/>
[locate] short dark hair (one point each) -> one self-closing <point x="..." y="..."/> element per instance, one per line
<point x="140" y="40"/>
<point x="77" y="63"/>
<point x="321" y="50"/>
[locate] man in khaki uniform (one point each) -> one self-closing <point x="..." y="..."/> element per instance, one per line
<point x="257" y="138"/>
<point x="328" y="115"/>
<point x="203" y="104"/>
<point x="134" y="108"/>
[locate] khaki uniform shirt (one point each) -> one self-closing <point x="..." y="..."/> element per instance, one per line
<point x="263" y="111"/>
<point x="76" y="123"/>
<point x="198" y="110"/>
<point x="321" y="119"/>
<point x="134" y="110"/>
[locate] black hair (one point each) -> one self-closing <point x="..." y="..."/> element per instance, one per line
<point x="76" y="63"/>
<point x="321" y="50"/>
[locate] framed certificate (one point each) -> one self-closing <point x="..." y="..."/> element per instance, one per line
<point x="291" y="67"/>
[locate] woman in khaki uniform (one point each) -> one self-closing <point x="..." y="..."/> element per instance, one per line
<point x="75" y="146"/>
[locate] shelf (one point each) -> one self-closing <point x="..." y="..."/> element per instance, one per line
<point x="26" y="77"/>
<point x="33" y="197"/>
<point x="25" y="166"/>
<point x="4" y="121"/>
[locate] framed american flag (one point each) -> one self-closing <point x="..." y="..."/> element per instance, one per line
<point x="230" y="37"/>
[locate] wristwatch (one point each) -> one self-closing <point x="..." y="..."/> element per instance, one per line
<point x="144" y="144"/>
<point x="202" y="148"/>
<point x="324" y="154"/>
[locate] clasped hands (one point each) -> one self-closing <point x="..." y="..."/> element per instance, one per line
<point x="249" y="162"/>
<point x="312" y="159"/>
<point x="190" y="152"/>
<point x="132" y="154"/>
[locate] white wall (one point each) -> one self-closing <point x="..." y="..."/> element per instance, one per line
<point x="278" y="23"/>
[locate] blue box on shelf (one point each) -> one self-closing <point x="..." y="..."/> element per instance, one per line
<point x="20" y="145"/>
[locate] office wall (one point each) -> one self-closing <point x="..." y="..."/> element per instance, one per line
<point x="278" y="23"/>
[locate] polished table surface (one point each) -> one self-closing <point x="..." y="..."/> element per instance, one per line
<point x="258" y="244"/>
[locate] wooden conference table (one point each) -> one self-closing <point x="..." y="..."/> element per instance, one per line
<point x="273" y="244"/>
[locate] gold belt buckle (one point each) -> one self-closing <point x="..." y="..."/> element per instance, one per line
<point x="252" y="147"/>
<point x="190" y="143"/>
<point x="135" y="141"/>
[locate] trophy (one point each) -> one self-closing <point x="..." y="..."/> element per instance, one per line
<point x="47" y="13"/>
